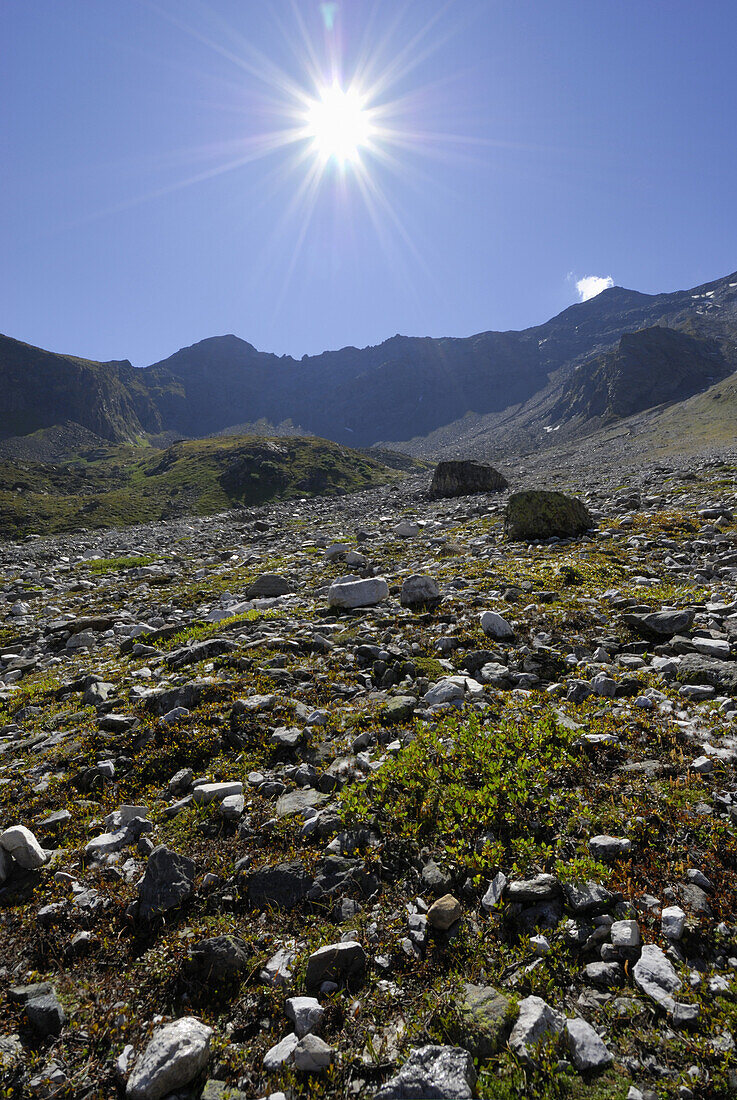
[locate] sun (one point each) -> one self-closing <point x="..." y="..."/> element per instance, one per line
<point x="338" y="124"/>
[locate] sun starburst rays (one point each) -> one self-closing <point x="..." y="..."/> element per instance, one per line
<point x="337" y="131"/>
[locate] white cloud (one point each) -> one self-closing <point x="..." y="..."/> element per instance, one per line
<point x="591" y="285"/>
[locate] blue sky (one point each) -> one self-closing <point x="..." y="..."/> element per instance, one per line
<point x="531" y="145"/>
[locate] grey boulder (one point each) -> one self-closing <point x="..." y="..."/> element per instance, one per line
<point x="167" y="883"/>
<point x="543" y="514"/>
<point x="588" y="1051"/>
<point x="432" y="1073"/>
<point x="461" y="478"/>
<point x="419" y="590"/>
<point x="361" y="593"/>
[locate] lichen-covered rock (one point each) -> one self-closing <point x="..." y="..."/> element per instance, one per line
<point x="485" y="1021"/>
<point x="461" y="478"/>
<point x="543" y="514"/>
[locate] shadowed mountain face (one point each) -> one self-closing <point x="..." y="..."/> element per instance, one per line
<point x="405" y="387"/>
<point x="646" y="368"/>
<point x="41" y="389"/>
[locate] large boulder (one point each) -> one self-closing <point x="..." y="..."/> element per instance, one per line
<point x="660" y="624"/>
<point x="360" y="593"/>
<point x="284" y="886"/>
<point x="543" y="514"/>
<point x="420" y="590"/>
<point x="217" y="959"/>
<point x="695" y="669"/>
<point x="22" y="845"/>
<point x="458" y="479"/>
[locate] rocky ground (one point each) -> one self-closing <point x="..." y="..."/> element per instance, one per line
<point x="475" y="839"/>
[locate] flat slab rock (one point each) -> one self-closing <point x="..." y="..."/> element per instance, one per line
<point x="361" y="593"/>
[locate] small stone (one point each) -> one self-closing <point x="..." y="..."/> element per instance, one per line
<point x="609" y="847"/>
<point x="494" y="892"/>
<point x="536" y="1021"/>
<point x="419" y="590"/>
<point x="672" y="922"/>
<point x="588" y="1051"/>
<point x="655" y="975"/>
<point x="531" y="890"/>
<point x="344" y="960"/>
<point x="625" y="933"/>
<point x="312" y="1054"/>
<point x="361" y="593"/>
<point x="281" y="1054"/>
<point x="444" y="913"/>
<point x="496" y="626"/>
<point x="45" y="1014"/>
<point x="485" y="1020"/>
<point x="167" y="883"/>
<point x="306" y="1014"/>
<point x="216" y="792"/>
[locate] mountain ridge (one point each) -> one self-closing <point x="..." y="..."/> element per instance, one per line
<point x="402" y="388"/>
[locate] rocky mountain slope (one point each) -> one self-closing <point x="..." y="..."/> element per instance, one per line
<point x="404" y="387"/>
<point x="42" y="389"/>
<point x="255" y="844"/>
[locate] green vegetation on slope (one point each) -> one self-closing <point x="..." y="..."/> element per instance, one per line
<point x="127" y="484"/>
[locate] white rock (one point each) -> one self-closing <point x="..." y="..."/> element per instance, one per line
<point x="445" y="691"/>
<point x="361" y="593"/>
<point x="177" y="1053"/>
<point x="672" y="922"/>
<point x="625" y="933"/>
<point x="23" y="847"/>
<point x="281" y="1054"/>
<point x="216" y="792"/>
<point x="105" y="844"/>
<point x="655" y="975"/>
<point x="232" y="807"/>
<point x="312" y="1055"/>
<point x="588" y="1051"/>
<point x="609" y="847"/>
<point x="451" y="688"/>
<point x="123" y="816"/>
<point x="494" y="891"/>
<point x="536" y="1020"/>
<point x="712" y="647"/>
<point x="496" y="626"/>
<point x="407" y="530"/>
<point x="305" y="1013"/>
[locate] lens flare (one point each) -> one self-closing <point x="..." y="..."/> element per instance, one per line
<point x="338" y="124"/>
